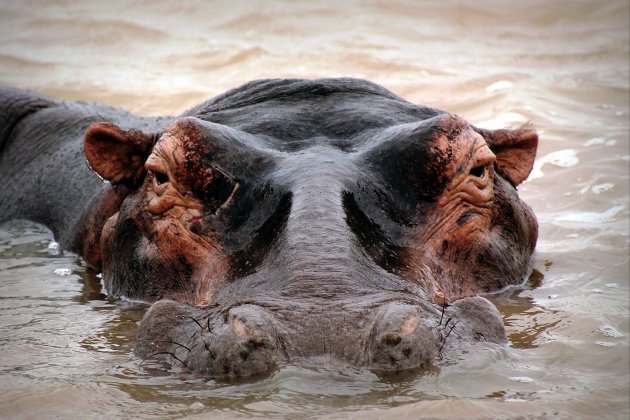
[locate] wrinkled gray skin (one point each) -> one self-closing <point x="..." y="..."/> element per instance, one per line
<point x="43" y="171"/>
<point x="326" y="279"/>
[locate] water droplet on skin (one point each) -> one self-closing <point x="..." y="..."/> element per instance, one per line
<point x="605" y="343"/>
<point x="613" y="285"/>
<point x="611" y="142"/>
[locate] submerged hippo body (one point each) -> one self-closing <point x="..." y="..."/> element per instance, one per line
<point x="283" y="220"/>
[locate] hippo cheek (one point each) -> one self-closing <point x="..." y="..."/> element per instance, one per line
<point x="108" y="231"/>
<point x="247" y="344"/>
<point x="107" y="240"/>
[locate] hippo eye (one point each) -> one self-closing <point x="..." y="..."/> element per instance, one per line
<point x="160" y="178"/>
<point x="478" y="171"/>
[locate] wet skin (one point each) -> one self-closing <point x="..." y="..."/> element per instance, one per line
<point x="282" y="221"/>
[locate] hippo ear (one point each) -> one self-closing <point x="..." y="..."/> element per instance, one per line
<point x="118" y="155"/>
<point x="515" y="151"/>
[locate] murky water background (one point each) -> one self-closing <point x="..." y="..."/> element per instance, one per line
<point x="561" y="65"/>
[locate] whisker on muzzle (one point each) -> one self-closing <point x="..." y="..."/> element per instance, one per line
<point x="163" y="352"/>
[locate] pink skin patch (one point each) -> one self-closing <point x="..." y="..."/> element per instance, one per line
<point x="195" y="219"/>
<point x="409" y="325"/>
<point x="239" y="328"/>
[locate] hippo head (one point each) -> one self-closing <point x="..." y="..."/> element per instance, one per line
<point x="291" y="219"/>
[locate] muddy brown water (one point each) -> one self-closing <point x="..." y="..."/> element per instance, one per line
<point x="562" y="66"/>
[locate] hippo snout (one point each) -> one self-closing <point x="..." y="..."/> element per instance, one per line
<point x="402" y="338"/>
<point x="247" y="339"/>
<point x="239" y="342"/>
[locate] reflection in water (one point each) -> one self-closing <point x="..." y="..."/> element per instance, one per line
<point x="92" y="288"/>
<point x="119" y="333"/>
<point x="525" y="321"/>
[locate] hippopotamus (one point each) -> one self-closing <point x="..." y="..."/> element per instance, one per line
<point x="284" y="221"/>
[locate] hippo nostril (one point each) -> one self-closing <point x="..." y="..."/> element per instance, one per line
<point x="252" y="333"/>
<point x="402" y="338"/>
<point x="391" y="339"/>
<point x="252" y="323"/>
<point x="410" y="324"/>
<point x="407" y="352"/>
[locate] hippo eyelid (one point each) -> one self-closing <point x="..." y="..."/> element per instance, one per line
<point x="483" y="162"/>
<point x="155" y="165"/>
